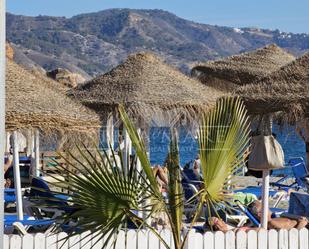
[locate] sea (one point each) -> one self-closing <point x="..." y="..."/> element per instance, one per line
<point x="292" y="144"/>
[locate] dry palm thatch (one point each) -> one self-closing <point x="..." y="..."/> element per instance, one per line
<point x="285" y="91"/>
<point x="227" y="74"/>
<point x="33" y="100"/>
<point x="149" y="89"/>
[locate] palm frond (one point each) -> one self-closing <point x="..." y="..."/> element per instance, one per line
<point x="223" y="138"/>
<point x="175" y="192"/>
<point x="102" y="199"/>
<point x="140" y="149"/>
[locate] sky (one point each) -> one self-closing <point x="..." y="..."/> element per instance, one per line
<point x="285" y="15"/>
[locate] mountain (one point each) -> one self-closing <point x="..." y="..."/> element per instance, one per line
<point x="93" y="43"/>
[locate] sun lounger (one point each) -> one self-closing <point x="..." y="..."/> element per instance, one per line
<point x="24" y="175"/>
<point x="190" y="202"/>
<point x="190" y="184"/>
<point x="246" y="211"/>
<point x="276" y="212"/>
<point x="299" y="204"/>
<point x="45" y="200"/>
<point x="191" y="190"/>
<point x="9" y="196"/>
<point x="24" y="160"/>
<point x="22" y="226"/>
<point x="28" y="221"/>
<point x="300" y="173"/>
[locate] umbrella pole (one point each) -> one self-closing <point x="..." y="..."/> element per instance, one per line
<point x="138" y="162"/>
<point x="37" y="152"/>
<point x="126" y="150"/>
<point x="110" y="135"/>
<point x="29" y="143"/>
<point x="32" y="159"/>
<point x="141" y="214"/>
<point x="17" y="182"/>
<point x="265" y="195"/>
<point x="146" y="139"/>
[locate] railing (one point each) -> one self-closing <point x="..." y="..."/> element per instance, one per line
<point x="283" y="239"/>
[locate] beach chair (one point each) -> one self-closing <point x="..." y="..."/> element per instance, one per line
<point x="276" y="212"/>
<point x="300" y="173"/>
<point x="298" y="205"/>
<point x="29" y="223"/>
<point x="10" y="198"/>
<point x="24" y="176"/>
<point x="45" y="201"/>
<point x="190" y="188"/>
<point x="9" y="195"/>
<point x="191" y="183"/>
<point x="25" y="160"/>
<point x="250" y="216"/>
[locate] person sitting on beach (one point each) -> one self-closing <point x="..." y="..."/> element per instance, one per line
<point x="161" y="176"/>
<point x="120" y="144"/>
<point x="8" y="163"/>
<point x="197" y="165"/>
<point x="160" y="219"/>
<point x="256" y="209"/>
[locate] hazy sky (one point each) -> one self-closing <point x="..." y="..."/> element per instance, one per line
<point x="286" y="15"/>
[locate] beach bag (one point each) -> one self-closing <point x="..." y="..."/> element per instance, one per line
<point x="266" y="153"/>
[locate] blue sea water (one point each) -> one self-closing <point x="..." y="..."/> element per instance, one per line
<point x="292" y="144"/>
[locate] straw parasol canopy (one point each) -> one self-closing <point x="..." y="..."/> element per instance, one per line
<point x="227" y="74"/>
<point x="148" y="88"/>
<point x="286" y="91"/>
<point x="34" y="101"/>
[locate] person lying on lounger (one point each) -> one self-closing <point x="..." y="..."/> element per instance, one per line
<point x="256" y="210"/>
<point x="277" y="223"/>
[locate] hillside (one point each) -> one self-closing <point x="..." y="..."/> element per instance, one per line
<point x="94" y="43"/>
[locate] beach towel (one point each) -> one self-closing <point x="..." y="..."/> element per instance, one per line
<point x="244" y="198"/>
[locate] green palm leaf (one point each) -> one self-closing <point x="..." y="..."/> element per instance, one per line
<point x="175" y="192"/>
<point x="140" y="149"/>
<point x="104" y="199"/>
<point x="223" y="138"/>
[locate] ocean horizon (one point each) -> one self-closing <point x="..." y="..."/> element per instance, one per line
<point x="292" y="144"/>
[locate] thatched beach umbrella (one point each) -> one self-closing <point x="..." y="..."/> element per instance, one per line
<point x="33" y="102"/>
<point x="285" y="91"/>
<point x="150" y="90"/>
<point x="229" y="73"/>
